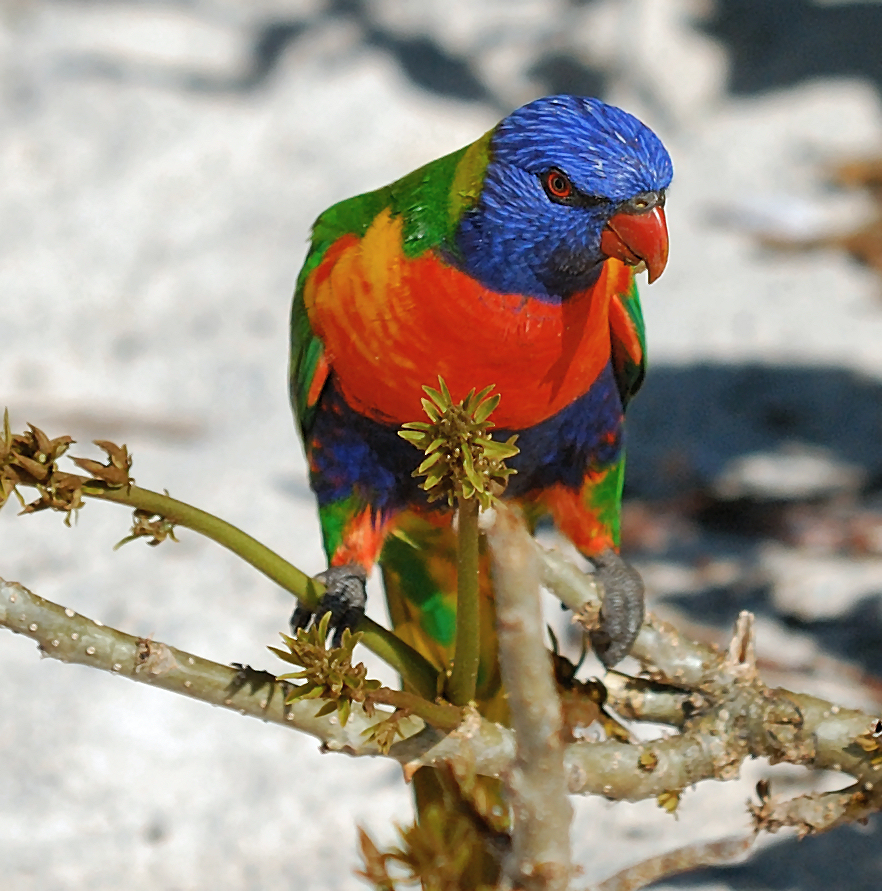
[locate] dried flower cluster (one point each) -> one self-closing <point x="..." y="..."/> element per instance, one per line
<point x="31" y="459"/>
<point x="147" y="524"/>
<point x="438" y="852"/>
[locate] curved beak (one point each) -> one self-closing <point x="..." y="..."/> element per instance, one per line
<point x="637" y="238"/>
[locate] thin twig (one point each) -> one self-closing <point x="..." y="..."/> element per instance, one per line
<point x="817" y="812"/>
<point x="440" y="715"/>
<point x="640" y="699"/>
<point x="676" y="862"/>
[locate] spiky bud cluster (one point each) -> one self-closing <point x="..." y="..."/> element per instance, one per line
<point x="327" y="674"/>
<point x="462" y="458"/>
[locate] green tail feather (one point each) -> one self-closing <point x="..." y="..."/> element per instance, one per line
<point x="419" y="574"/>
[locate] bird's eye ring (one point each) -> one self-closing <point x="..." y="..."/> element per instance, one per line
<point x="557" y="184"/>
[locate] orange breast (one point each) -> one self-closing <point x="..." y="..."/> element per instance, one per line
<point x="392" y="324"/>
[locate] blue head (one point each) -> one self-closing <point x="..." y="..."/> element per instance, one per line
<point x="570" y="182"/>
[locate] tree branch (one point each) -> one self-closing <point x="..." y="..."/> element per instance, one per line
<point x="639" y="699"/>
<point x="540" y="859"/>
<point x="676" y="862"/>
<point x="739" y="718"/>
<point x="69" y="637"/>
<point x="819" y="812"/>
<point x="666" y="655"/>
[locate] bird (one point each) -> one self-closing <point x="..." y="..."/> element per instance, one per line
<point x="510" y="262"/>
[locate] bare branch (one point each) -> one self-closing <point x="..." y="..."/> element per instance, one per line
<point x="744" y="719"/>
<point x="678" y="861"/>
<point x="729" y="720"/>
<point x="818" y="812"/>
<point x="640" y="699"/>
<point x="540" y="858"/>
<point x="69" y="637"/>
<point x="664" y="652"/>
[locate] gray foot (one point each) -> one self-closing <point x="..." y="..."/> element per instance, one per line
<point x="622" y="612"/>
<point x="344" y="599"/>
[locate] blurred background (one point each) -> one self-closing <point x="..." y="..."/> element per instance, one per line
<point x="161" y="165"/>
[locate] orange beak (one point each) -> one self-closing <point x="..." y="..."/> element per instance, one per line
<point x="638" y="238"/>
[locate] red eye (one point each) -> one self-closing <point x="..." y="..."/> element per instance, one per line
<point x="557" y="185"/>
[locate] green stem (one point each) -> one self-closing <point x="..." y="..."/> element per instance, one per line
<point x="240" y="543"/>
<point x="415" y="670"/>
<point x="418" y="672"/>
<point x="466" y="654"/>
<point x="439" y="714"/>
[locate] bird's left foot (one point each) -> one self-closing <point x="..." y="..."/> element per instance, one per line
<point x="621" y="614"/>
<point x="344" y="598"/>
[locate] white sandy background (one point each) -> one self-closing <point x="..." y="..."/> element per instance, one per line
<point x="161" y="165"/>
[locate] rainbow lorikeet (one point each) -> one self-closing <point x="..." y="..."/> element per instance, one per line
<point x="509" y="262"/>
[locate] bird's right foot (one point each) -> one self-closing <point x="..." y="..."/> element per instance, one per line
<point x="344" y="598"/>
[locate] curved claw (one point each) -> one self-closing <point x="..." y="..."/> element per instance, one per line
<point x="622" y="612"/>
<point x="344" y="598"/>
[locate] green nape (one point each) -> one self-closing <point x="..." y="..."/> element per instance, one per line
<point x="431" y="200"/>
<point x="468" y="179"/>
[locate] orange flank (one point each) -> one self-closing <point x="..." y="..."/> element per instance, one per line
<point x="576" y="520"/>
<point x="320" y="375"/>
<point x="391" y="324"/>
<point x="362" y="540"/>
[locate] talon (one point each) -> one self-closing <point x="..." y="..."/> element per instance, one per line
<point x="344" y="598"/>
<point x="300" y="618"/>
<point x="622" y="612"/>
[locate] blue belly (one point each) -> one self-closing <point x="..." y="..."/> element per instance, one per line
<point x="351" y="454"/>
